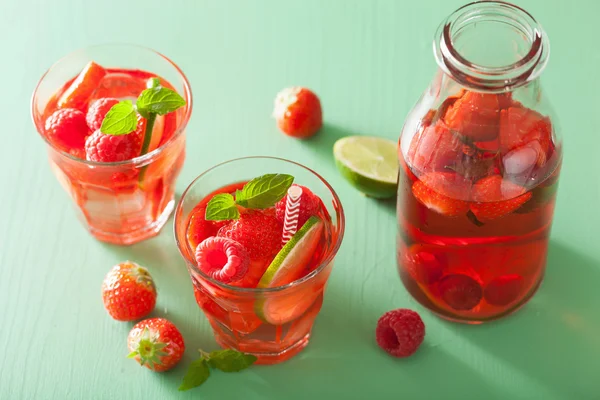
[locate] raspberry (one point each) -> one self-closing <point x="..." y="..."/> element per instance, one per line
<point x="460" y="292"/>
<point x="400" y="332"/>
<point x="425" y="266"/>
<point x="310" y="204"/>
<point x="222" y="259"/>
<point x="258" y="231"/>
<point x="503" y="290"/>
<point x="66" y="129"/>
<point x="97" y="111"/>
<point x="111" y="148"/>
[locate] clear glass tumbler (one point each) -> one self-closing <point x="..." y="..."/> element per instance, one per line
<point x="119" y="202"/>
<point x="272" y="323"/>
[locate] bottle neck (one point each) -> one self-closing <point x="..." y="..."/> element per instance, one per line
<point x="491" y="46"/>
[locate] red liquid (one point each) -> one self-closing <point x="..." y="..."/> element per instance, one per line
<point x="498" y="266"/>
<point x="236" y="316"/>
<point x="114" y="202"/>
<point x="457" y="266"/>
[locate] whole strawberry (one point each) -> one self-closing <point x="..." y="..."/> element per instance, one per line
<point x="128" y="292"/>
<point x="156" y="344"/>
<point x="298" y="112"/>
<point x="258" y="231"/>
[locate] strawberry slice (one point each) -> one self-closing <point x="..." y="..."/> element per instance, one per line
<point x="495" y="197"/>
<point x="442" y="192"/>
<point x="82" y="88"/>
<point x="520" y="126"/>
<point x="475" y="116"/>
<point x="434" y="148"/>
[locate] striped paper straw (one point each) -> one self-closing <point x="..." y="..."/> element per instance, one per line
<point x="292" y="212"/>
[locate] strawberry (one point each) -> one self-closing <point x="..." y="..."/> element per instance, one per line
<point x="310" y="204"/>
<point x="82" y="87"/>
<point x="97" y="111"/>
<point x="258" y="231"/>
<point x="298" y="112"/>
<point x="156" y="344"/>
<point x="256" y="270"/>
<point x="520" y="126"/>
<point x="443" y="192"/>
<point x="128" y="292"/>
<point x="494" y="197"/>
<point x="67" y="130"/>
<point x="434" y="148"/>
<point x="475" y="116"/>
<point x="199" y="228"/>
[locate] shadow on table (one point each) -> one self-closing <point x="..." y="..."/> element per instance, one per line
<point x="324" y="140"/>
<point x="554" y="339"/>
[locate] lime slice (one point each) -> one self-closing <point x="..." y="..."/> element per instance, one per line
<point x="369" y="163"/>
<point x="287" y="266"/>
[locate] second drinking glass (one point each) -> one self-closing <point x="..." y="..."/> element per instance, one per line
<point x="259" y="267"/>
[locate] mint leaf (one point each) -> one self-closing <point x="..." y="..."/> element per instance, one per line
<point x="221" y="208"/>
<point x="196" y="375"/>
<point x="120" y="119"/>
<point x="264" y="191"/>
<point x="158" y="100"/>
<point x="230" y="360"/>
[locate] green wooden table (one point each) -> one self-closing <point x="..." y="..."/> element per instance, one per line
<point x="369" y="62"/>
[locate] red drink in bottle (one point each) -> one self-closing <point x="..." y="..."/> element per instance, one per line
<point x="479" y="165"/>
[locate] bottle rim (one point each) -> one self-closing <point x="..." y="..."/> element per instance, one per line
<point x="491" y="78"/>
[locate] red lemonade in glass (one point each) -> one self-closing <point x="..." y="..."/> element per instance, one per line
<point x="268" y="309"/>
<point x="122" y="184"/>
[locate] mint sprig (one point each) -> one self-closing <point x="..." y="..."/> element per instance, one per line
<point x="158" y="100"/>
<point x="222" y="207"/>
<point x="264" y="191"/>
<point x="120" y="119"/>
<point x="260" y="193"/>
<point x="225" y="360"/>
<point x="230" y="360"/>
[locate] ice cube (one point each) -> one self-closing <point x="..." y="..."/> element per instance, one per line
<point x="111" y="208"/>
<point x="519" y="163"/>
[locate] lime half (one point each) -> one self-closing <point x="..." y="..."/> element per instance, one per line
<point x="369" y="163"/>
<point x="288" y="265"/>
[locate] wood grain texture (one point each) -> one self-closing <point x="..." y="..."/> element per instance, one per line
<point x="369" y="62"/>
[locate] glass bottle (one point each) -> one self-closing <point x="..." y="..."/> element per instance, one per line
<point x="480" y="158"/>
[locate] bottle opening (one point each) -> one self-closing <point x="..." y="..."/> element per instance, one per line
<point x="491" y="46"/>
